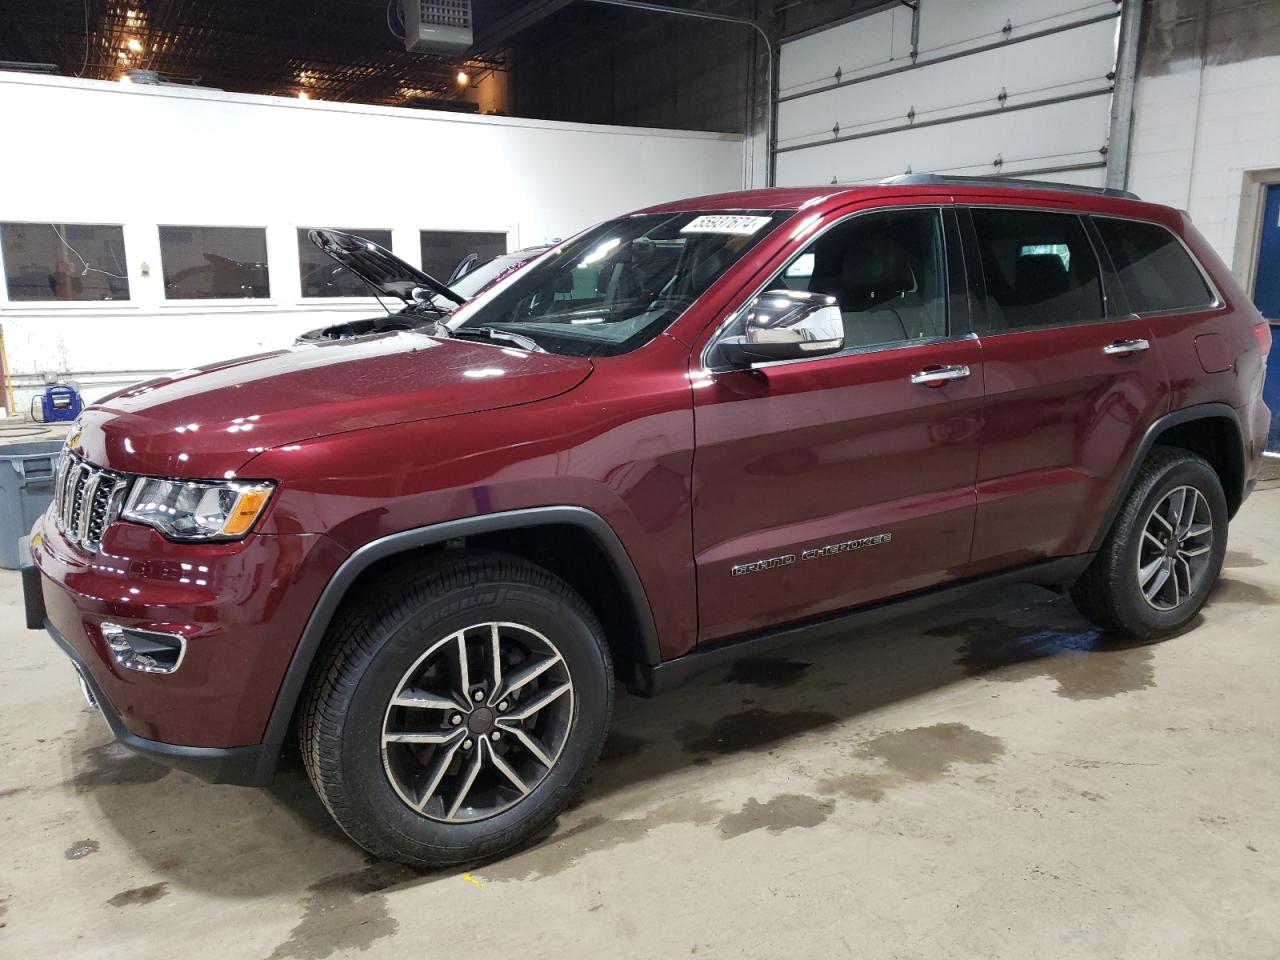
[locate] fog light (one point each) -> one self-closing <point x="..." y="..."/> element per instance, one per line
<point x="147" y="651"/>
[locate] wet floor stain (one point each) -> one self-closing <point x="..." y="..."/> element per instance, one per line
<point x="925" y="754"/>
<point x="787" y="811"/>
<point x="566" y="848"/>
<point x="857" y="785"/>
<point x="347" y="911"/>
<point x="81" y="849"/>
<point x="1235" y="559"/>
<point x="916" y="755"/>
<point x="751" y="730"/>
<point x="13" y="791"/>
<point x="139" y="895"/>
<point x="620" y="746"/>
<point x="1085" y="665"/>
<point x="1230" y="590"/>
<point x="114" y="764"/>
<point x="771" y="673"/>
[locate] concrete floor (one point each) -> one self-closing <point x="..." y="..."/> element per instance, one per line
<point x="989" y="780"/>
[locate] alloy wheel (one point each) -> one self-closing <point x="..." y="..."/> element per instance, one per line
<point x="1174" y="555"/>
<point x="477" y="722"/>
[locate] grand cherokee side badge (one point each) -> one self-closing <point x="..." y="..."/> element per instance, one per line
<point x="757" y="565"/>
<point x="815" y="553"/>
<point x="831" y="549"/>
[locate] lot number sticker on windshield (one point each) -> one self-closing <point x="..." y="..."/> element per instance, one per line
<point x="731" y="224"/>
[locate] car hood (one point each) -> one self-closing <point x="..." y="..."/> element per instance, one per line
<point x="378" y="267"/>
<point x="209" y="422"/>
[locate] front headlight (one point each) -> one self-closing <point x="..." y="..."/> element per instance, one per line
<point x="197" y="509"/>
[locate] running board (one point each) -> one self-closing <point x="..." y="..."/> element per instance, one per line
<point x="651" y="680"/>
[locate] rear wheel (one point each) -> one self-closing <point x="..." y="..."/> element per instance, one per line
<point x="460" y="709"/>
<point x="1164" y="552"/>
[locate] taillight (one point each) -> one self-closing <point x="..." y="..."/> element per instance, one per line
<point x="1263" y="332"/>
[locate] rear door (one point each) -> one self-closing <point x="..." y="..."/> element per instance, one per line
<point x="1072" y="382"/>
<point x="827" y="483"/>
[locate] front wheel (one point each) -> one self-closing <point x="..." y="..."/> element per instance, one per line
<point x="1164" y="552"/>
<point x="460" y="709"/>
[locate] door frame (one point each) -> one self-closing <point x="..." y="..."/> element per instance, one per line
<point x="1253" y="204"/>
<point x="960" y="291"/>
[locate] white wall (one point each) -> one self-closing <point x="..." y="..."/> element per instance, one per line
<point x="101" y="152"/>
<point x="1198" y="132"/>
<point x="1061" y="141"/>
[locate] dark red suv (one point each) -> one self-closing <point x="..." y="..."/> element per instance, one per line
<point x="680" y="436"/>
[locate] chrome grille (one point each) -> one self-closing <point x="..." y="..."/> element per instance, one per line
<point x="86" y="499"/>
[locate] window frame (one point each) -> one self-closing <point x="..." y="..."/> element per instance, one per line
<point x="368" y="297"/>
<point x="164" y="301"/>
<point x="9" y="304"/>
<point x="508" y="232"/>
<point x="959" y="294"/>
<point x="1112" y="306"/>
<point x="1217" y="303"/>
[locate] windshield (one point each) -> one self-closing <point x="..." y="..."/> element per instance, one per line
<point x="619" y="285"/>
<point x="474" y="282"/>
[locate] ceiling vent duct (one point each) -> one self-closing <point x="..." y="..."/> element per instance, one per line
<point x="437" y="26"/>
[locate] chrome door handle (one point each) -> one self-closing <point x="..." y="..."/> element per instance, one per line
<point x="1125" y="347"/>
<point x="940" y="375"/>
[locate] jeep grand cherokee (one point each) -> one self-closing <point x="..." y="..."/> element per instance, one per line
<point x="682" y="435"/>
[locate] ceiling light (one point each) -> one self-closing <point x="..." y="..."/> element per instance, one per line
<point x="303" y="95"/>
<point x="463" y="79"/>
<point x="125" y="78"/>
<point x="134" y="44"/>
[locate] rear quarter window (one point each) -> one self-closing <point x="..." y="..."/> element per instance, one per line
<point x="1154" y="268"/>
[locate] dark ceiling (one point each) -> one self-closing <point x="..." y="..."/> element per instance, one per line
<point x="333" y="49"/>
<point x="577" y="60"/>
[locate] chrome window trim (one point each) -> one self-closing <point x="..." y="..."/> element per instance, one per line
<point x="870" y="348"/>
<point x="940" y="206"/>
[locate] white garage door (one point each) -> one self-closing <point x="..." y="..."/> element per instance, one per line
<point x="998" y="88"/>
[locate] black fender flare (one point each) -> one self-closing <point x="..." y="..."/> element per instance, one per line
<point x="1203" y="411"/>
<point x="295" y="677"/>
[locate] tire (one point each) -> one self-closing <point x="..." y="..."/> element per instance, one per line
<point x="1113" y="591"/>
<point x="400" y="639"/>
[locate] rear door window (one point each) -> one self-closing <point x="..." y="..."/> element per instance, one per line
<point x="1154" y="268"/>
<point x="1040" y="269"/>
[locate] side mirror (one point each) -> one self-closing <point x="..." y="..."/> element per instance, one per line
<point x="785" y="325"/>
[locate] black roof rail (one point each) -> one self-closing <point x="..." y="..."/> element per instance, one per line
<point x="908" y="179"/>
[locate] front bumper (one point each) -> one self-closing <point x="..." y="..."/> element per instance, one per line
<point x="250" y="766"/>
<point x="239" y="607"/>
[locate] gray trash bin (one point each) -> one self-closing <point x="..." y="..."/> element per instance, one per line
<point x="26" y="488"/>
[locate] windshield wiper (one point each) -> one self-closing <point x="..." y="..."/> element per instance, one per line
<point x="490" y="333"/>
